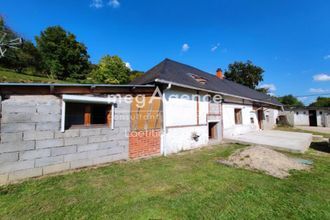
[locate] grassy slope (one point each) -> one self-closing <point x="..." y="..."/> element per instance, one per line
<point x="11" y="76"/>
<point x="186" y="186"/>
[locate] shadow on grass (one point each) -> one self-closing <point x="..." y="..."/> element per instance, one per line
<point x="321" y="146"/>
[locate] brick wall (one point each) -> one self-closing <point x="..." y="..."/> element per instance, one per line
<point x="32" y="145"/>
<point x="144" y="143"/>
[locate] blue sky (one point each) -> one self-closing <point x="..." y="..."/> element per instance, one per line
<point x="289" y="39"/>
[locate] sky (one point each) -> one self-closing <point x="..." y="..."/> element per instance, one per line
<point x="290" y="40"/>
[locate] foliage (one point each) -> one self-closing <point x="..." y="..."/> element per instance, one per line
<point x="290" y="100"/>
<point x="263" y="90"/>
<point x="135" y="74"/>
<point x="110" y="70"/>
<point x="184" y="186"/>
<point x="321" y="102"/>
<point x="246" y="73"/>
<point x="27" y="56"/>
<point x="62" y="55"/>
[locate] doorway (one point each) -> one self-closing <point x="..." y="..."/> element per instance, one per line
<point x="213" y="130"/>
<point x="312" y="118"/>
<point x="260" y="118"/>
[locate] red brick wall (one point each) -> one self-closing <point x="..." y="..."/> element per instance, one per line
<point x="144" y="143"/>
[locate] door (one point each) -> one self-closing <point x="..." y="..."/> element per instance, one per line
<point x="260" y="118"/>
<point x="312" y="118"/>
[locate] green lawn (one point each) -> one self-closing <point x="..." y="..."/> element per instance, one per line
<point x="286" y="128"/>
<point x="11" y="76"/>
<point x="190" y="185"/>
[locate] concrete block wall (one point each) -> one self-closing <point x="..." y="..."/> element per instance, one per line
<point x="32" y="145"/>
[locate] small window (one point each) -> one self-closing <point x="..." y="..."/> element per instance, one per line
<point x="297" y="113"/>
<point x="199" y="79"/>
<point x="304" y="113"/>
<point x="267" y="118"/>
<point x="79" y="115"/>
<point x="238" y="116"/>
<point x="320" y="113"/>
<point x="252" y="120"/>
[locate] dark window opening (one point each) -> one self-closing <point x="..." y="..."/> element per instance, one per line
<point x="252" y="120"/>
<point x="238" y="116"/>
<point x="79" y="115"/>
<point x="199" y="79"/>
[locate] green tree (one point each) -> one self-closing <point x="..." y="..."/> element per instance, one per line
<point x="111" y="70"/>
<point x="135" y="74"/>
<point x="62" y="55"/>
<point x="321" y="102"/>
<point x="290" y="100"/>
<point x="246" y="73"/>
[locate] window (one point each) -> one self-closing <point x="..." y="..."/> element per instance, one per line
<point x="78" y="115"/>
<point x="252" y="120"/>
<point x="82" y="111"/>
<point x="320" y="113"/>
<point x="238" y="116"/>
<point x="267" y="118"/>
<point x="199" y="79"/>
<point x="297" y="113"/>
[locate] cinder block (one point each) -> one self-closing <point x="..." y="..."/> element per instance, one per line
<point x="87" y="147"/>
<point x="11" y="137"/>
<point x="53" y="108"/>
<point x="76" y="156"/>
<point x="81" y="163"/>
<point x="16" y="146"/>
<point x="15" y="108"/>
<point x="109" y="158"/>
<point x="56" y="168"/>
<point x="34" y="154"/>
<point x="98" y="139"/>
<point x="108" y="144"/>
<point x="17" y="165"/>
<point x="63" y="150"/>
<point x="90" y="132"/>
<point x="17" y="127"/>
<point x="16" y="117"/>
<point x="3" y="179"/>
<point x="49" y="143"/>
<point x="46" y="118"/>
<point x="67" y="133"/>
<point x="75" y="140"/>
<point x="23" y="174"/>
<point x="46" y="161"/>
<point x="38" y="135"/>
<point x="8" y="157"/>
<point x="48" y="126"/>
<point x="109" y="131"/>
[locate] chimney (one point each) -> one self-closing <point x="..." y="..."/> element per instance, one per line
<point x="219" y="73"/>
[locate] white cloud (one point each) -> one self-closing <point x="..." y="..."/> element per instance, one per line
<point x="327" y="57"/>
<point x="321" y="77"/>
<point x="96" y="4"/>
<point x="214" y="48"/>
<point x="304" y="98"/>
<point x="114" y="3"/>
<point x="271" y="87"/>
<point x="128" y="65"/>
<point x="185" y="47"/>
<point x="318" y="90"/>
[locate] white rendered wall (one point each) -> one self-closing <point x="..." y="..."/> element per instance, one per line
<point x="302" y="118"/>
<point x="180" y="110"/>
<point x="232" y="129"/>
<point x="178" y="139"/>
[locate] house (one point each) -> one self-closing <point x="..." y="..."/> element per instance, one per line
<point x="306" y="116"/>
<point x="201" y="108"/>
<point x="49" y="128"/>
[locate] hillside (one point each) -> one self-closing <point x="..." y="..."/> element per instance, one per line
<point x="7" y="75"/>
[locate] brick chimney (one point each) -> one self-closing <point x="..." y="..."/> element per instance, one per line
<point x="219" y="73"/>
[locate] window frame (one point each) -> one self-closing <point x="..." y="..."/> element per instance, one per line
<point x="238" y="121"/>
<point x="86" y="100"/>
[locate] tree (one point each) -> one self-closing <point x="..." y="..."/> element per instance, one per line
<point x="111" y="70"/>
<point x="246" y="74"/>
<point x="321" y="102"/>
<point x="135" y="74"/>
<point x="290" y="100"/>
<point x="62" y="55"/>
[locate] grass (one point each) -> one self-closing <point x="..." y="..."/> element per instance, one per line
<point x="11" y="76"/>
<point x="287" y="128"/>
<point x="190" y="185"/>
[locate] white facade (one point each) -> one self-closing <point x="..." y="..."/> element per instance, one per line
<point x="184" y="118"/>
<point x="301" y="117"/>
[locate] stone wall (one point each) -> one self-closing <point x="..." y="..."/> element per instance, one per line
<point x="32" y="144"/>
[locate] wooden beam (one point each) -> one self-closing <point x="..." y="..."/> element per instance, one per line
<point x="87" y="115"/>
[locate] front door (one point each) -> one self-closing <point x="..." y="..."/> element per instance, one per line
<point x="260" y="118"/>
<point x="312" y="118"/>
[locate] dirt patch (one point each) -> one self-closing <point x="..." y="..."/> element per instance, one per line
<point x="269" y="161"/>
